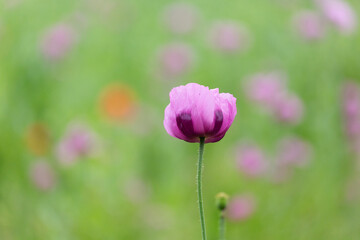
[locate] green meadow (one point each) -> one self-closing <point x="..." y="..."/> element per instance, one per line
<point x="138" y="183"/>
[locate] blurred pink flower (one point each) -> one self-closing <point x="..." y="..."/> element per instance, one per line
<point x="352" y="193"/>
<point x="340" y="13"/>
<point x="78" y="141"/>
<point x="309" y="25"/>
<point x="241" y="207"/>
<point x="293" y="151"/>
<point x="229" y="36"/>
<point x="180" y="17"/>
<point x="57" y="41"/>
<point x="270" y="91"/>
<point x="42" y="175"/>
<point x="264" y="88"/>
<point x="288" y="108"/>
<point x="351" y="109"/>
<point x="175" y="59"/>
<point x="251" y="160"/>
<point x="351" y="99"/>
<point x="351" y="114"/>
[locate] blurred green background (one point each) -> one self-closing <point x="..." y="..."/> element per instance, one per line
<point x="135" y="181"/>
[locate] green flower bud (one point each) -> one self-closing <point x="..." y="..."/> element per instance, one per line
<point x="221" y="201"/>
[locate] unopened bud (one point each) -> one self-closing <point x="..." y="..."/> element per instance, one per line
<point x="221" y="201"/>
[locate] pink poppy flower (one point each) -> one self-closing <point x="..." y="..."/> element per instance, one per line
<point x="196" y="111"/>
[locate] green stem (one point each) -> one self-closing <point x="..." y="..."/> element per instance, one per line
<point x="222" y="226"/>
<point x="199" y="187"/>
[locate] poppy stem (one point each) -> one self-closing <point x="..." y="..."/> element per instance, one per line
<point x="199" y="187"/>
<point x="222" y="226"/>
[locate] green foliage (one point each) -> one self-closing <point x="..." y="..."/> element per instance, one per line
<point x="90" y="198"/>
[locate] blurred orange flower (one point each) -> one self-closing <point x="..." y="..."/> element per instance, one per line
<point x="118" y="102"/>
<point x="37" y="139"/>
